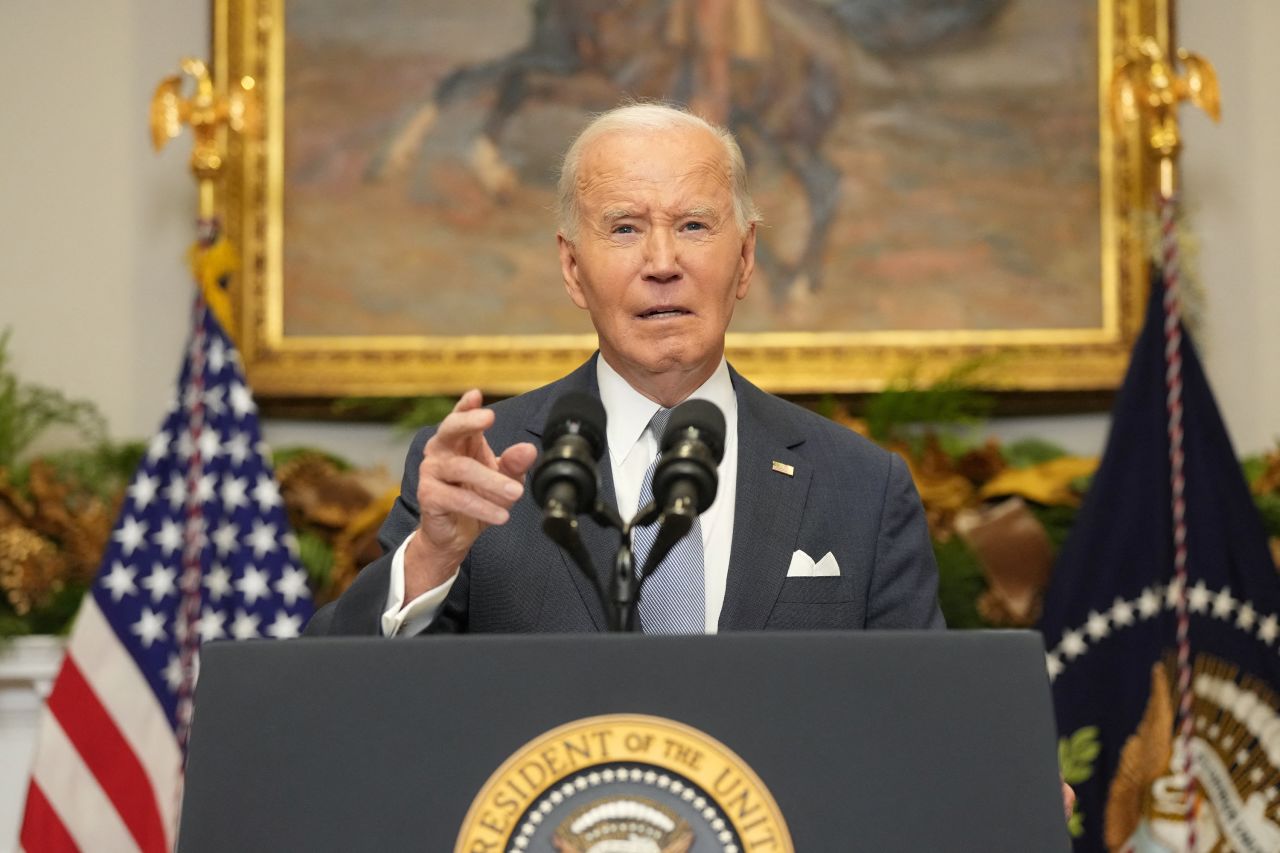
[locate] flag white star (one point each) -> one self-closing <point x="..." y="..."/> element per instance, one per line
<point x="263" y="539"/>
<point x="226" y="538"/>
<point x="143" y="490"/>
<point x="245" y="626"/>
<point x="1171" y="593"/>
<point x="213" y="400"/>
<point x="218" y="582"/>
<point x="1224" y="603"/>
<point x="210" y="445"/>
<point x="160" y="582"/>
<point x="190" y="396"/>
<point x="185" y="447"/>
<point x="217" y="356"/>
<point x="173" y="673"/>
<point x="1269" y="629"/>
<point x="1073" y="645"/>
<point x="1245" y="616"/>
<point x="254" y="584"/>
<point x="285" y="626"/>
<point x="158" y="446"/>
<point x="130" y="535"/>
<point x="241" y="400"/>
<point x="120" y="581"/>
<point x="1096" y="626"/>
<point x="1148" y="603"/>
<point x="237" y="448"/>
<point x="233" y="493"/>
<point x="266" y="493"/>
<point x="177" y="491"/>
<point x="168" y="537"/>
<point x="1053" y="664"/>
<point x="209" y="625"/>
<point x="149" y="627"/>
<point x="292" y="585"/>
<point x="1198" y="598"/>
<point x="205" y="490"/>
<point x="1122" y="613"/>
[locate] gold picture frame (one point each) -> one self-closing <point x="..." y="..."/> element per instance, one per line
<point x="249" y="46"/>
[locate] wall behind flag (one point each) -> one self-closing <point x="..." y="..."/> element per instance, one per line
<point x="1232" y="177"/>
<point x="92" y="225"/>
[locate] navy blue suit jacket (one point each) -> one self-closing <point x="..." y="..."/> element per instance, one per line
<point x="847" y="496"/>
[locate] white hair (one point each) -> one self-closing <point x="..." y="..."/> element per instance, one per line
<point x="648" y="117"/>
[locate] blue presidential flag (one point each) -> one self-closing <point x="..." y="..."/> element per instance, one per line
<point x="1168" y="753"/>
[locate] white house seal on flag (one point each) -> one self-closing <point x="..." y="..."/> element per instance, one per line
<point x="1236" y="753"/>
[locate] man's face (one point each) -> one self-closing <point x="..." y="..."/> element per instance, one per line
<point x="658" y="261"/>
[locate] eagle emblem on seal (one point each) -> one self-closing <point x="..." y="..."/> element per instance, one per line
<point x="623" y="824"/>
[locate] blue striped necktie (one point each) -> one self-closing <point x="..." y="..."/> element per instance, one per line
<point x="672" y="600"/>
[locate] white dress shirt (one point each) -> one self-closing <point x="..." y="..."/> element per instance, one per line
<point x="632" y="447"/>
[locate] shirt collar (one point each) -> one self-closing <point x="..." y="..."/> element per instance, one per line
<point x="629" y="412"/>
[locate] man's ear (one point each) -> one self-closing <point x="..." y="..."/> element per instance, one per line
<point x="569" y="270"/>
<point x="748" y="260"/>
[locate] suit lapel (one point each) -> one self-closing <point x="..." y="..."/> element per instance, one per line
<point x="768" y="508"/>
<point x="600" y="542"/>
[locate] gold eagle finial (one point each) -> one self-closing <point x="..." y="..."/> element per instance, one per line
<point x="205" y="111"/>
<point x="1146" y="88"/>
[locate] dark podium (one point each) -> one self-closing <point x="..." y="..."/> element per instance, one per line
<point x="742" y="742"/>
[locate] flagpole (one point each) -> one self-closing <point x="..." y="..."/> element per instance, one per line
<point x="206" y="112"/>
<point x="1151" y="80"/>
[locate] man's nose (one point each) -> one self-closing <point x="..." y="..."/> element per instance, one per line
<point x="662" y="264"/>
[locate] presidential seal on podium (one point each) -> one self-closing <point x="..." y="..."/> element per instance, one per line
<point x="624" y="782"/>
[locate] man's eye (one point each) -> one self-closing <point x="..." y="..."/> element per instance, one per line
<point x="624" y="229"/>
<point x="695" y="226"/>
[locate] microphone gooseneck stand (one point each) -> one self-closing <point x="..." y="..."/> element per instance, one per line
<point x="625" y="582"/>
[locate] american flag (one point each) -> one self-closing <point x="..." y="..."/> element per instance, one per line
<point x="201" y="551"/>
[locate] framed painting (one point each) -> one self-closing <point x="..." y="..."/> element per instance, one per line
<point x="939" y="182"/>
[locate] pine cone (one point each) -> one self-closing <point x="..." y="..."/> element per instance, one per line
<point x="318" y="493"/>
<point x="31" y="569"/>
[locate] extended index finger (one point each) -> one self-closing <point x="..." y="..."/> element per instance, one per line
<point x="462" y="431"/>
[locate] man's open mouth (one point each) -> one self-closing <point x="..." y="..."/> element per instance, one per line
<point x="663" y="312"/>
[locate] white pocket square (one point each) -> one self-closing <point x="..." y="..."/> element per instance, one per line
<point x="803" y="566"/>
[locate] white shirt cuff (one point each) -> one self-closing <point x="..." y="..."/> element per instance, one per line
<point x="405" y="620"/>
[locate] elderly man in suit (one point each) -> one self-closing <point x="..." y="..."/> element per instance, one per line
<point x="813" y="527"/>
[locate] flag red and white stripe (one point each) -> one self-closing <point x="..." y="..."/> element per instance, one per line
<point x="108" y="767"/>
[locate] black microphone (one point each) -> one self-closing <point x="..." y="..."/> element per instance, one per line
<point x="686" y="476"/>
<point x="565" y="478"/>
